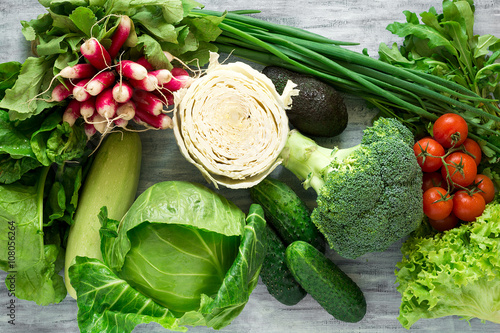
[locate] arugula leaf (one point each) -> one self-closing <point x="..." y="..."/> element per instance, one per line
<point x="435" y="39"/>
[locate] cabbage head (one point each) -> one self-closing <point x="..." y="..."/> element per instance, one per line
<point x="187" y="251"/>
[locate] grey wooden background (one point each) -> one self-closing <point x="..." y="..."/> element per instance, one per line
<point x="363" y="21"/>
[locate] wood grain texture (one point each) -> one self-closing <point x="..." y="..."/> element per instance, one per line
<point x="363" y="21"/>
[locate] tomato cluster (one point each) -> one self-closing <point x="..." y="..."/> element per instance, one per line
<point x="453" y="188"/>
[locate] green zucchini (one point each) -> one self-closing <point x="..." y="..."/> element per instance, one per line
<point x="334" y="290"/>
<point x="112" y="182"/>
<point x="286" y="212"/>
<point x="275" y="274"/>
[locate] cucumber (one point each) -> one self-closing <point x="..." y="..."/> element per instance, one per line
<point x="287" y="213"/>
<point x="275" y="274"/>
<point x="336" y="292"/>
<point x="112" y="182"/>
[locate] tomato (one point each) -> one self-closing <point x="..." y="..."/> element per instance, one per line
<point x="437" y="203"/>
<point x="472" y="147"/>
<point x="486" y="187"/>
<point x="447" y="223"/>
<point x="468" y="206"/>
<point x="425" y="149"/>
<point x="432" y="179"/>
<point x="461" y="167"/>
<point x="450" y="130"/>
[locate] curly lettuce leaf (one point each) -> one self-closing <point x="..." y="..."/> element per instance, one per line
<point x="452" y="273"/>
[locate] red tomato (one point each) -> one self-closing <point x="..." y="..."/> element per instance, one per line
<point x="437" y="203"/>
<point x="461" y="167"/>
<point x="472" y="147"/>
<point x="432" y="179"/>
<point x="466" y="206"/>
<point x="485" y="185"/>
<point x="425" y="149"/>
<point x="450" y="130"/>
<point x="447" y="223"/>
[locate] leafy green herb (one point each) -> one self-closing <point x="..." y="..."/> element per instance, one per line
<point x="452" y="273"/>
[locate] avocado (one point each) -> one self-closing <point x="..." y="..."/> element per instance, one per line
<point x="318" y="110"/>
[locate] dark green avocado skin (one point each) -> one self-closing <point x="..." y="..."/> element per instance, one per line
<point x="318" y="110"/>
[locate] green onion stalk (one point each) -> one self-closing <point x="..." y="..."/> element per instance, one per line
<point x="415" y="98"/>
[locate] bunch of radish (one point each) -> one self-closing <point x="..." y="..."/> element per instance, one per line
<point x="108" y="92"/>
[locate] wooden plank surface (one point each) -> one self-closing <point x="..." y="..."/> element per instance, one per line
<point x="363" y="21"/>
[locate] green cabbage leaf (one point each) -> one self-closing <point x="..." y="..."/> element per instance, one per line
<point x="452" y="273"/>
<point x="181" y="256"/>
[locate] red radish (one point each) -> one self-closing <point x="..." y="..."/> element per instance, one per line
<point x="126" y="110"/>
<point x="178" y="82"/>
<point x="78" y="71"/>
<point x="177" y="71"/>
<point x="80" y="92"/>
<point x="61" y="91"/>
<point x="161" y="121"/>
<point x="87" y="108"/>
<point x="149" y="83"/>
<point x="72" y="112"/>
<point x="132" y="70"/>
<point x="122" y="92"/>
<point x="166" y="96"/>
<point x="120" y="122"/>
<point x="162" y="75"/>
<point x="100" y="123"/>
<point x="148" y="102"/>
<point x="100" y="82"/>
<point x="120" y="35"/>
<point x="169" y="56"/>
<point x="90" y="130"/>
<point x="105" y="104"/>
<point x="144" y="62"/>
<point x="95" y="54"/>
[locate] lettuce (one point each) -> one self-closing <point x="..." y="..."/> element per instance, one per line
<point x="452" y="273"/>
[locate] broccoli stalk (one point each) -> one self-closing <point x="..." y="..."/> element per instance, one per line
<point x="369" y="195"/>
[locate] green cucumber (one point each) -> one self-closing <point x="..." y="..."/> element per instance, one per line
<point x="275" y="274"/>
<point x="112" y="182"/>
<point x="288" y="214"/>
<point x="334" y="290"/>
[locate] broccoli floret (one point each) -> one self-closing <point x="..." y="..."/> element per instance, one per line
<point x="370" y="195"/>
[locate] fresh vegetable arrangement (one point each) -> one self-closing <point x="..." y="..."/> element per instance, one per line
<point x="182" y="255"/>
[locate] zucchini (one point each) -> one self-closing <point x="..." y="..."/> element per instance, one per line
<point x="112" y="182"/>
<point x="286" y="212"/>
<point x="275" y="274"/>
<point x="336" y="292"/>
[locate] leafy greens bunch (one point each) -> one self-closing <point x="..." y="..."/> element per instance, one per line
<point x="452" y="273"/>
<point x="182" y="255"/>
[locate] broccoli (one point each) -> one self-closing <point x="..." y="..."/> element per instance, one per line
<point x="370" y="195"/>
